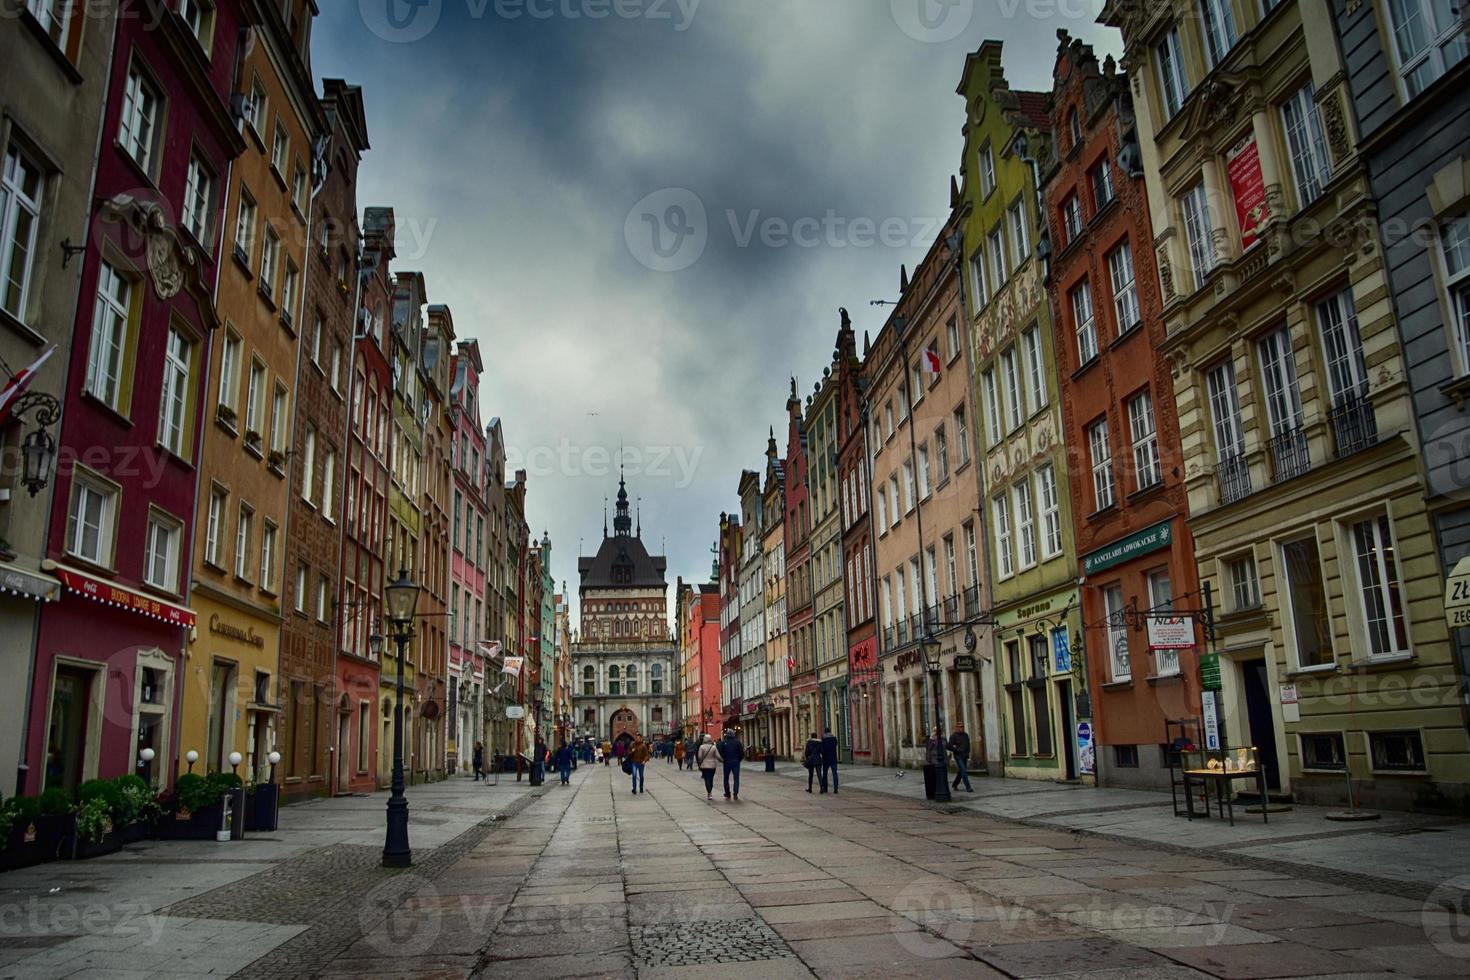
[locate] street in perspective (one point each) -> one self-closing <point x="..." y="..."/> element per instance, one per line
<point x="1011" y="457"/>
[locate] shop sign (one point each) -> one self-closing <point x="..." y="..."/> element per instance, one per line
<point x="1167" y="632"/>
<point x="1061" y="651"/>
<point x="964" y="661"/>
<point x="907" y="659"/>
<point x="127" y="599"/>
<point x="1209" y="671"/>
<point x="1142" y="542"/>
<point x="515" y="712"/>
<point x="1209" y="701"/>
<point x="1457" y="596"/>
<point x="248" y="635"/>
<point x="1086" y="754"/>
<point x="1248" y="186"/>
<point x="1290" y="703"/>
<point x="1048" y="606"/>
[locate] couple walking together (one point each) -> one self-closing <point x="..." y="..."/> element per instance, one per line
<point x="729" y="752"/>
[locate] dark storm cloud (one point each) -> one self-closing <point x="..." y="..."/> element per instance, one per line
<point x="817" y="137"/>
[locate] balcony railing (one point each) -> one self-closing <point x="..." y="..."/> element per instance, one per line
<point x="1289" y="455"/>
<point x="1354" y="426"/>
<point x="972" y="601"/>
<point x="1233" y="476"/>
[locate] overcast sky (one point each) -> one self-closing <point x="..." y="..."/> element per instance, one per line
<point x="789" y="154"/>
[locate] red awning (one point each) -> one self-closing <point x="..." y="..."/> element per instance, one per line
<point x="121" y="597"/>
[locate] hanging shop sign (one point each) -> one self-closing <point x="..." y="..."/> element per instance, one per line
<point x="515" y="712"/>
<point x="1167" y="632"/>
<point x="1209" y="671"/>
<point x="1142" y="542"/>
<point x="1457" y="596"/>
<point x="1248" y="186"/>
<point x="121" y="598"/>
<point x="1061" y="651"/>
<point x="964" y="661"/>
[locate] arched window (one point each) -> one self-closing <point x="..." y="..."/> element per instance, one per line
<point x="632" y="670"/>
<point x="632" y="673"/>
<point x="588" y="673"/>
<point x="612" y="672"/>
<point x="656" y="671"/>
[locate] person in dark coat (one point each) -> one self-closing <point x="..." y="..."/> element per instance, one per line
<point x="959" y="747"/>
<point x="564" y="762"/>
<point x="829" y="759"/>
<point x="732" y="753"/>
<point x="811" y="757"/>
<point x="479" y="760"/>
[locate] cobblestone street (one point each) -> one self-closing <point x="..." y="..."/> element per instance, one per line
<point x="595" y="881"/>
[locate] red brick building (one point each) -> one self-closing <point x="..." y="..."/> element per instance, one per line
<point x="329" y="315"/>
<point x="1134" y="548"/>
<point x="801" y="648"/>
<point x="365" y="510"/>
<point x="864" y="681"/>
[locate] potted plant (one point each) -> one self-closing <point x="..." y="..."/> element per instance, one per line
<point x="262" y="806"/>
<point x="21" y="843"/>
<point x="136" y="808"/>
<point x="225" y="414"/>
<point x="94" y="835"/>
<point x="276" y="460"/>
<point x="195" y="808"/>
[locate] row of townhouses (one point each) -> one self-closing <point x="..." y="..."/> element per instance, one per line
<point x="1162" y="443"/>
<point x="231" y="422"/>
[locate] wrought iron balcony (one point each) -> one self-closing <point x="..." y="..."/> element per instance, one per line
<point x="1354" y="425"/>
<point x="972" y="601"/>
<point x="1233" y="476"/>
<point x="1289" y="455"/>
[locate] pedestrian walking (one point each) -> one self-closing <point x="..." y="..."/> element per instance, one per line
<point x="679" y="754"/>
<point x="959" y="747"/>
<point x="691" y="747"/>
<point x="638" y="755"/>
<point x="606" y="752"/>
<point x="707" y="757"/>
<point x="538" y="762"/>
<point x="811" y="757"/>
<point x="829" y="759"/>
<point x="732" y="753"/>
<point x="564" y="762"/>
<point x="478" y="760"/>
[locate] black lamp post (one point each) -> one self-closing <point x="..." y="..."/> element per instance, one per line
<point x="932" y="661"/>
<point x="402" y="597"/>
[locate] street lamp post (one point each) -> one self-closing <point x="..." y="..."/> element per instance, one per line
<point x="932" y="661"/>
<point x="402" y="596"/>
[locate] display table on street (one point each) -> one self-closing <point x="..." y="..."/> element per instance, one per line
<point x="1217" y="773"/>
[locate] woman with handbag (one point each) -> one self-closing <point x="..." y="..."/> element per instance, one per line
<point x="707" y="757"/>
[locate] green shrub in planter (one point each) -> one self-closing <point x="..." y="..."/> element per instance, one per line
<point x="193" y="792"/>
<point x="223" y="782"/>
<point x="136" y="802"/>
<point x="56" y="802"/>
<point x="94" y="819"/>
<point x="105" y="790"/>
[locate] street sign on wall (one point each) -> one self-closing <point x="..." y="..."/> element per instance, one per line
<point x="1138" y="543"/>
<point x="1209" y="671"/>
<point x="1457" y="596"/>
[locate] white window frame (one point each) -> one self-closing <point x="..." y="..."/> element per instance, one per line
<point x="1117" y="633"/>
<point x="1429" y="53"/>
<point x="167" y="532"/>
<point x="1306" y="144"/>
<point x="1142" y="426"/>
<point x="198" y="200"/>
<point x="1280" y="389"/>
<point x="88" y="488"/>
<point x="1025" y="524"/>
<point x="1454" y="252"/>
<point x="1100" y="457"/>
<point x="1173" y="81"/>
<point x="1072" y="217"/>
<point x="112" y="325"/>
<point x="1020" y="234"/>
<point x="1225" y="410"/>
<point x="1217" y="25"/>
<point x="1037" y="396"/>
<point x="1005" y="561"/>
<point x="1084" y="322"/>
<point x="215" y="526"/>
<point x="1015" y="404"/>
<point x="1194" y="208"/>
<point x="987" y="170"/>
<point x="1125" y="287"/>
<point x="177" y="401"/>
<point x="141" y="118"/>
<point x="1380" y="562"/>
<point x="1051" y="512"/>
<point x="995" y="424"/>
<point x="20" y="219"/>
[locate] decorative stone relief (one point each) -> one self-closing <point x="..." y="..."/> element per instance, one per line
<point x="1166" y="274"/>
<point x="1335" y="122"/>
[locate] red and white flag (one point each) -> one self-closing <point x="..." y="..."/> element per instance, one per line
<point x="19" y="383"/>
<point x="930" y="360"/>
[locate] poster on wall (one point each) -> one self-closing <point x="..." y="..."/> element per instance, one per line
<point x="1208" y="709"/>
<point x="1248" y="186"/>
<point x="1166" y="632"/>
<point x="1086" y="754"/>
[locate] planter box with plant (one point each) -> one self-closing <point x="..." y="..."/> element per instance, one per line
<point x="195" y="808"/>
<point x="35" y="829"/>
<point x="110" y="814"/>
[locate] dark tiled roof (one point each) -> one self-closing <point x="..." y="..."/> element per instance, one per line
<point x="623" y="550"/>
<point x="1033" y="107"/>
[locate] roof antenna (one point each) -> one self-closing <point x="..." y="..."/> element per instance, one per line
<point x="640" y="517"/>
<point x="604" y="517"/>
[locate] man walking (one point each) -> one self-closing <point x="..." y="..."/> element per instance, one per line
<point x="638" y="756"/>
<point x="829" y="759"/>
<point x="731" y="754"/>
<point x="479" y="760"/>
<point x="679" y="754"/>
<point x="811" y="757"/>
<point x="564" y="762"/>
<point x="959" y="747"/>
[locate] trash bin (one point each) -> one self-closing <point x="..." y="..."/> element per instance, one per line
<point x="931" y="780"/>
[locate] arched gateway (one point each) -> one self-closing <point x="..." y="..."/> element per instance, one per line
<point x="623" y="725"/>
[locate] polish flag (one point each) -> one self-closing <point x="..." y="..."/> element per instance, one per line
<point x="930" y="361"/>
<point x="19" y="383"/>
